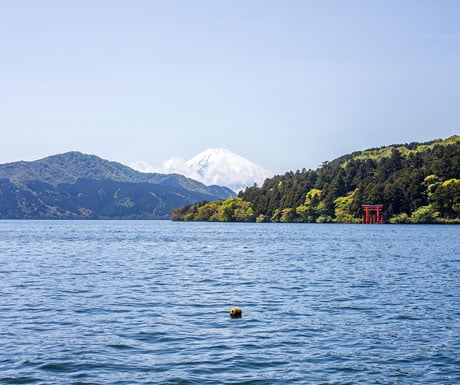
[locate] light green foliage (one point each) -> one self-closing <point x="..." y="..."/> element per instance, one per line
<point x="312" y="197"/>
<point x="424" y="214"/>
<point x="452" y="140"/>
<point x="208" y="212"/>
<point x="343" y="208"/>
<point x="262" y="218"/>
<point x="229" y="210"/>
<point x="376" y="155"/>
<point x="445" y="197"/>
<point x="324" y="219"/>
<point x="384" y="152"/>
<point x="431" y="179"/>
<point x="242" y="210"/>
<point x="451" y="182"/>
<point x="312" y="208"/>
<point x="432" y="182"/>
<point x="402" y="218"/>
<point x="276" y="217"/>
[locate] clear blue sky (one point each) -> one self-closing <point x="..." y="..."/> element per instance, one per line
<point x="287" y="84"/>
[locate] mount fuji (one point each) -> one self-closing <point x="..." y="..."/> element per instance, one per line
<point x="218" y="166"/>
<point x="214" y="166"/>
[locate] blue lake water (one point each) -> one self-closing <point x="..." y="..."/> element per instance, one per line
<point x="147" y="302"/>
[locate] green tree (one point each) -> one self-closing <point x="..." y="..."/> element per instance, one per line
<point x="446" y="197"/>
<point x="424" y="214"/>
<point x="343" y="212"/>
<point x="310" y="210"/>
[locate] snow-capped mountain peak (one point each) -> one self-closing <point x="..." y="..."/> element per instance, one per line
<point x="225" y="168"/>
<point x="214" y="166"/>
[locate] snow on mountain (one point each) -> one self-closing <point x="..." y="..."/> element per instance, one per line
<point x="214" y="166"/>
<point x="225" y="168"/>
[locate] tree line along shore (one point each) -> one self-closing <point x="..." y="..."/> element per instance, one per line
<point x="415" y="183"/>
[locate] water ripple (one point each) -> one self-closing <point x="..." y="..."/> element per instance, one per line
<point x="147" y="303"/>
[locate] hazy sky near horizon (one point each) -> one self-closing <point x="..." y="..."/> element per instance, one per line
<point x="287" y="84"/>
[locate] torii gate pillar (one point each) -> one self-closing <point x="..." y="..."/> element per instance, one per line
<point x="372" y="214"/>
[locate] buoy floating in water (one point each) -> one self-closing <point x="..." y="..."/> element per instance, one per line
<point x="235" y="312"/>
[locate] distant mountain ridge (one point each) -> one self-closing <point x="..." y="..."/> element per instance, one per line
<point x="71" y="185"/>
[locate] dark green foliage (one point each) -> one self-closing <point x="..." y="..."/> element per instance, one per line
<point x="395" y="176"/>
<point x="280" y="192"/>
<point x="72" y="166"/>
<point x="75" y="185"/>
<point x="92" y="199"/>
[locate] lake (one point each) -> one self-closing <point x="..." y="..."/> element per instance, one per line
<point x="147" y="302"/>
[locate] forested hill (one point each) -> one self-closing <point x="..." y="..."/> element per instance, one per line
<point x="79" y="186"/>
<point x="416" y="183"/>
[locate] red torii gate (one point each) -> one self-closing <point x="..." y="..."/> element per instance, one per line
<point x="372" y="214"/>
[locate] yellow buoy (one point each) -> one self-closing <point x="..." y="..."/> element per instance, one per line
<point x="235" y="312"/>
